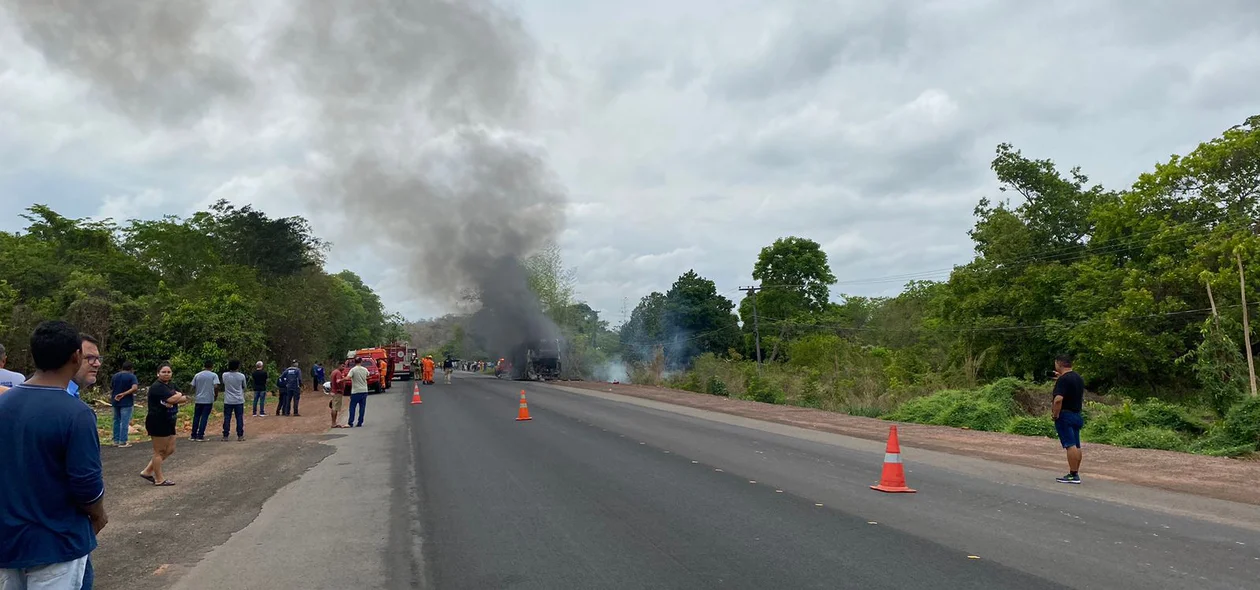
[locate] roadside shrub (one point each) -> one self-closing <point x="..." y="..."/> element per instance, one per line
<point x="716" y="386"/>
<point x="1237" y="434"/>
<point x="1150" y="437"/>
<point x="1032" y="426"/>
<point x="1161" y="414"/>
<point x="986" y="408"/>
<point x="864" y="411"/>
<point x="760" y="390"/>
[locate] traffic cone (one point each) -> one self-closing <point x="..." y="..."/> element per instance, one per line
<point x="415" y="394"/>
<point x="523" y="413"/>
<point x="893" y="479"/>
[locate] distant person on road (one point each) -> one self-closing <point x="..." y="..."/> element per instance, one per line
<point x="290" y="383"/>
<point x="448" y="365"/>
<point x="1069" y="395"/>
<point x="358" y="391"/>
<point x="8" y="379"/>
<point x="164" y="401"/>
<point x="317" y="376"/>
<point x="234" y="400"/>
<point x="205" y="391"/>
<point x="381" y="366"/>
<point x="122" y="389"/>
<point x="51" y="482"/>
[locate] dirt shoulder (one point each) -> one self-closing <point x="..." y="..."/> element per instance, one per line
<point x="1213" y="477"/>
<point x="156" y="534"/>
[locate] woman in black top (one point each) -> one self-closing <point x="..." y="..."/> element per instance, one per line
<point x="160" y="423"/>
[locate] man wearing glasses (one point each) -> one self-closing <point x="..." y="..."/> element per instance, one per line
<point x="86" y="377"/>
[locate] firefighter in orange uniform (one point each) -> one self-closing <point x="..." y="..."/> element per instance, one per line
<point x="380" y="363"/>
<point x="428" y="369"/>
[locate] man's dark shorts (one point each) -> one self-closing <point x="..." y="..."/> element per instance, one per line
<point x="1069" y="428"/>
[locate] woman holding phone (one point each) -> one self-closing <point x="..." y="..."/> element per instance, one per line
<point x="164" y="403"/>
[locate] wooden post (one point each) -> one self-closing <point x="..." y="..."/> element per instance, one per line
<point x="1242" y="286"/>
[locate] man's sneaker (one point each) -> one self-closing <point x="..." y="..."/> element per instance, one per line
<point x="240" y="438"/>
<point x="124" y="445"/>
<point x="225" y="438"/>
<point x="1069" y="478"/>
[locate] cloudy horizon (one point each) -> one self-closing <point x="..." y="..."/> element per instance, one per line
<point x="691" y="137"/>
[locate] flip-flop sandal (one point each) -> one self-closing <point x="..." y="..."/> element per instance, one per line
<point x="165" y="483"/>
<point x="149" y="477"/>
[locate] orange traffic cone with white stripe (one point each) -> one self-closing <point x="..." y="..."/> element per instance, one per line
<point x="893" y="480"/>
<point x="415" y="394"/>
<point x="523" y="413"/>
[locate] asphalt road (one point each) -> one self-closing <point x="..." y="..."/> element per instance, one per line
<point x="595" y="493"/>
<point x="601" y="491"/>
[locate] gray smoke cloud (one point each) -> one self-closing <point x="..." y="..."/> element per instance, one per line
<point x="420" y="110"/>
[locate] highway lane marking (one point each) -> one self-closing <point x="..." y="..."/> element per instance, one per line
<point x="778" y="491"/>
<point x="752" y="481"/>
<point x="694" y="462"/>
<point x="718" y="470"/>
<point x="818" y="505"/>
<point x="973" y="557"/>
<point x="871" y="522"/>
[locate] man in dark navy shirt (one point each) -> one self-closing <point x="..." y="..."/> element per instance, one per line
<point x="51" y="485"/>
<point x="1069" y="396"/>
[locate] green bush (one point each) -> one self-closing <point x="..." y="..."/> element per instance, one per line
<point x="716" y="386"/>
<point x="1150" y="437"/>
<point x="986" y="408"/>
<point x="865" y="411"/>
<point x="1237" y="434"/>
<point x="1160" y="414"/>
<point x="1032" y="426"/>
<point x="760" y="390"/>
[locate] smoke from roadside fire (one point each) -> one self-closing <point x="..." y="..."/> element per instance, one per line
<point x="417" y="110"/>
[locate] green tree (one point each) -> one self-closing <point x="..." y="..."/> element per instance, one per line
<point x="696" y="319"/>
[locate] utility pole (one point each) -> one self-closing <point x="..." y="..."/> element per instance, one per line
<point x="1242" y="287"/>
<point x="752" y="292"/>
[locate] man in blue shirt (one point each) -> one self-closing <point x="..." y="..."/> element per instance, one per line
<point x="122" y="395"/>
<point x="51" y="484"/>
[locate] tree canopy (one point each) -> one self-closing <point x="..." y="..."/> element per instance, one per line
<point x="222" y="283"/>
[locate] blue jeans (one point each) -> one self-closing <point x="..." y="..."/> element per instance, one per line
<point x="122" y="419"/>
<point x="358" y="400"/>
<point x="89" y="576"/>
<point x="260" y="402"/>
<point x="201" y="418"/>
<point x="237" y="410"/>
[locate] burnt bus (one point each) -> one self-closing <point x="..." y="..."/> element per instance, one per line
<point x="538" y="360"/>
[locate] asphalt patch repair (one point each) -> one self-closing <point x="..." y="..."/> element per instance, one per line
<point x="155" y="534"/>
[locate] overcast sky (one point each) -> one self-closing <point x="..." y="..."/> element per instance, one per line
<point x="690" y="135"/>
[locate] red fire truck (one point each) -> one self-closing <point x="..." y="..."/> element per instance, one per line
<point x="400" y="360"/>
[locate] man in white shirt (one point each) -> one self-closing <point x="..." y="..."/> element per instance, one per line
<point x="358" y="391"/>
<point x="234" y="399"/>
<point x="8" y="378"/>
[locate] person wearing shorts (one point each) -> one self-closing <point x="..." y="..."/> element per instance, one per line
<point x="164" y="403"/>
<point x="1069" y="396"/>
